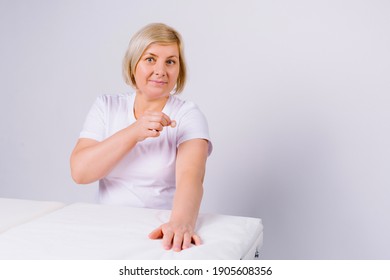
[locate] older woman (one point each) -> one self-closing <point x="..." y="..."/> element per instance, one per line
<point x="149" y="148"/>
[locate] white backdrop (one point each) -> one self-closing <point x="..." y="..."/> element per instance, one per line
<point x="297" y="94"/>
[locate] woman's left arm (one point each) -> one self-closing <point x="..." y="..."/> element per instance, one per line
<point x="178" y="233"/>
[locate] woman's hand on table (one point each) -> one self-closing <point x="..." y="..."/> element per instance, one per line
<point x="176" y="236"/>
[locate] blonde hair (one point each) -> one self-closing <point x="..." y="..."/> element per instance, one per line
<point x="153" y="33"/>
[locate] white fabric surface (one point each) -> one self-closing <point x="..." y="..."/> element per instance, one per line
<point x="89" y="231"/>
<point x="14" y="212"/>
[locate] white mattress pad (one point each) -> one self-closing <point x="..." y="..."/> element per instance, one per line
<point x="14" y="212"/>
<point x="90" y="231"/>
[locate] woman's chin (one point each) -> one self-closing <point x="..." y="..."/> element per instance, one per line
<point x="154" y="93"/>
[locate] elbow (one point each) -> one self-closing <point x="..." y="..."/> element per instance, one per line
<point x="78" y="171"/>
<point x="78" y="178"/>
<point x="78" y="181"/>
<point x="79" y="175"/>
<point x="81" y="180"/>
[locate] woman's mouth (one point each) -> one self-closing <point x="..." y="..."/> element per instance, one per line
<point x="158" y="82"/>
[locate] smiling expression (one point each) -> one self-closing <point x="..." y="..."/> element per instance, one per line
<point x="157" y="70"/>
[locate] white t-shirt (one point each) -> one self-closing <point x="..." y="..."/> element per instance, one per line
<point x="145" y="177"/>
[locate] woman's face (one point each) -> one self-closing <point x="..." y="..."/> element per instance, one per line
<point x="157" y="70"/>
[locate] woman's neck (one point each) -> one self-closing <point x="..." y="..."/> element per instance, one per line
<point x="142" y="104"/>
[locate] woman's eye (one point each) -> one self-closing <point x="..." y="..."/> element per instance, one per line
<point x="171" y="61"/>
<point x="149" y="59"/>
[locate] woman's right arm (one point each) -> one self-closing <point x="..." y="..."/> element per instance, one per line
<point x="92" y="160"/>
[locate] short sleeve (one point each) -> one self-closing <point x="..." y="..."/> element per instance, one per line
<point x="193" y="125"/>
<point x="95" y="123"/>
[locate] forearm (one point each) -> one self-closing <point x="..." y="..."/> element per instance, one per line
<point x="187" y="202"/>
<point x="93" y="162"/>
<point x="179" y="232"/>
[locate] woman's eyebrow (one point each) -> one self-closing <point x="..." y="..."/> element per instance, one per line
<point x="152" y="54"/>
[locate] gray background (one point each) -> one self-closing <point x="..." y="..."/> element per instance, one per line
<point x="296" y="94"/>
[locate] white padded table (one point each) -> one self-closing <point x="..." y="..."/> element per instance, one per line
<point x="91" y="231"/>
<point x="14" y="212"/>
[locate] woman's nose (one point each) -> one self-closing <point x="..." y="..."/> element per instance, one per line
<point x="159" y="69"/>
